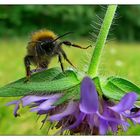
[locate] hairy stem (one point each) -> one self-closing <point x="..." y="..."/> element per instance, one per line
<point x="95" y="60"/>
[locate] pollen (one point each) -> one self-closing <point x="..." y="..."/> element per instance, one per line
<point x="43" y="34"/>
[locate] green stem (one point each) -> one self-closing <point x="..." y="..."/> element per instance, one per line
<point x="95" y="60"/>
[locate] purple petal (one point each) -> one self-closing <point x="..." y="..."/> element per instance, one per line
<point x="136" y="120"/>
<point x="40" y="112"/>
<point x="34" y="109"/>
<point x="114" y="127"/>
<point x="16" y="103"/>
<point x="77" y="122"/>
<point x="126" y="102"/>
<point x="103" y="127"/>
<point x="35" y="104"/>
<point x="74" y="125"/>
<point x="89" y="97"/>
<point x="47" y="104"/>
<point x="30" y="99"/>
<point x="109" y="113"/>
<point x="111" y="119"/>
<point x="90" y="120"/>
<point x="132" y="115"/>
<point x="16" y="109"/>
<point x="12" y="103"/>
<point x="71" y="108"/>
<point x="123" y="125"/>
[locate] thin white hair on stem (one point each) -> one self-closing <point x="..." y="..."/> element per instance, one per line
<point x="111" y="34"/>
<point x="99" y="18"/>
<point x="95" y="27"/>
<point x="115" y="19"/>
<point x="110" y="40"/>
<point x="93" y="34"/>
<point x="117" y="15"/>
<point x="92" y="39"/>
<point x="84" y="61"/>
<point x="114" y="23"/>
<point x="96" y="24"/>
<point x="103" y="7"/>
<point x="83" y="66"/>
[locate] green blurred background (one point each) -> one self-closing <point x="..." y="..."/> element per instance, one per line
<point x="121" y="55"/>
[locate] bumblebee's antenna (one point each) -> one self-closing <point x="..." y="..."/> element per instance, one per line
<point x="62" y="36"/>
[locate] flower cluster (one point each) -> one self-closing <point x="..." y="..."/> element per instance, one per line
<point x="91" y="115"/>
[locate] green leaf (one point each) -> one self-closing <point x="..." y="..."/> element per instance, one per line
<point x="51" y="86"/>
<point x="70" y="94"/>
<point x="115" y="88"/>
<point x="51" y="80"/>
<point x="45" y="75"/>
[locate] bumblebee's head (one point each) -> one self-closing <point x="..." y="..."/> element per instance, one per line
<point x="46" y="46"/>
<point x="44" y="41"/>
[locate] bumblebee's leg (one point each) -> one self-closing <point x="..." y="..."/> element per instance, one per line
<point x="68" y="43"/>
<point x="27" y="67"/>
<point x="65" y="57"/>
<point x="60" y="60"/>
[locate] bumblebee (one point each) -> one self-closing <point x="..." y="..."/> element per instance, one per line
<point x="44" y="45"/>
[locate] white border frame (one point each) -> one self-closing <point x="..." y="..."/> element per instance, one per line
<point x="70" y="2"/>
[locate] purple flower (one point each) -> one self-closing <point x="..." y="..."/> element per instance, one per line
<point x="91" y="115"/>
<point x="89" y="112"/>
<point x="39" y="104"/>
